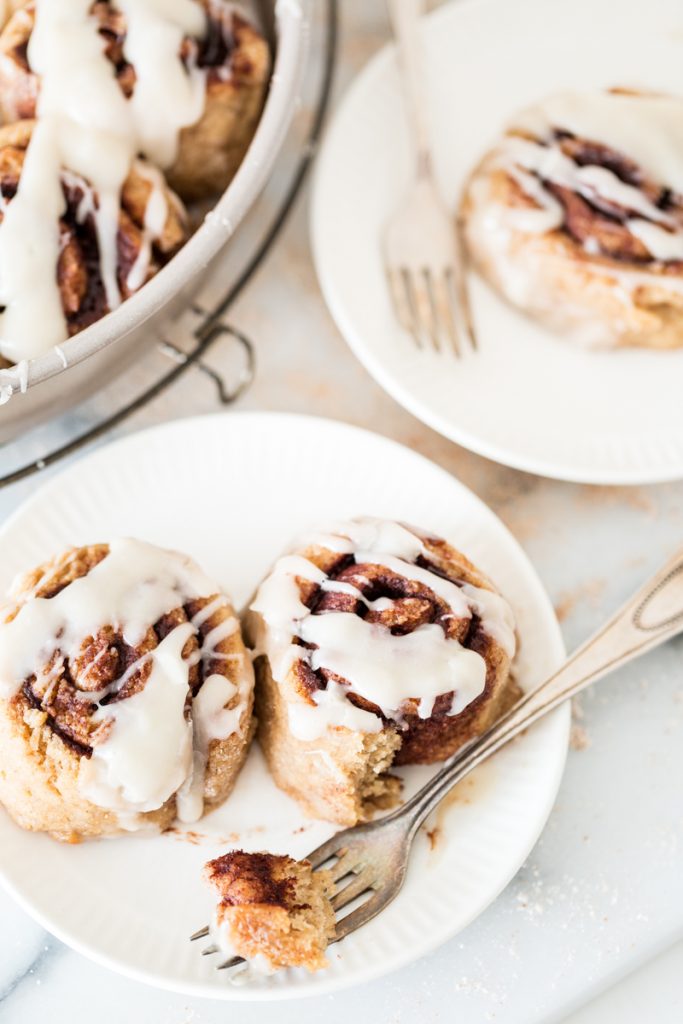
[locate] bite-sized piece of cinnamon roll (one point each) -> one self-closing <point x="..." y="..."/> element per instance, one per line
<point x="274" y="911"/>
<point x="152" y="225"/>
<point x="376" y="644"/>
<point x="126" y="693"/>
<point x="576" y="217"/>
<point x="227" y="59"/>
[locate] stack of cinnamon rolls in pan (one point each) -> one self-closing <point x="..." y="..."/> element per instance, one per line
<point x="115" y="114"/>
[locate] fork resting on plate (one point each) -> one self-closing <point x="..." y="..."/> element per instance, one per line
<point x="423" y="253"/>
<point x="370" y="861"/>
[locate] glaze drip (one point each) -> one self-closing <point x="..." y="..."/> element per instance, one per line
<point x="381" y="628"/>
<point x="87" y="125"/>
<point x="127" y="675"/>
<point x="606" y="168"/>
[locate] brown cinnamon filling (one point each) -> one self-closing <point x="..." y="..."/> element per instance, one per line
<point x="602" y="223"/>
<point x="217" y="50"/>
<point x="61" y="690"/>
<point x="213" y="52"/>
<point x="248" y="878"/>
<point x="78" y="269"/>
<point x="413" y="604"/>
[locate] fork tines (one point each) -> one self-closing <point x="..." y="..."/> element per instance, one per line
<point x="425" y="306"/>
<point x="426" y="266"/>
<point x="202" y="933"/>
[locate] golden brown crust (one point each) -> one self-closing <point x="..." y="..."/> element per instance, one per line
<point x="48" y="727"/>
<point x="274" y="907"/>
<point x="413" y="604"/>
<point x="342" y="776"/>
<point x="211" y="151"/>
<point x="237" y="62"/>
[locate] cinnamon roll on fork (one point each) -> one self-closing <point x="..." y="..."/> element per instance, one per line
<point x="376" y="644"/>
<point x="576" y="217"/>
<point x="273" y="911"/>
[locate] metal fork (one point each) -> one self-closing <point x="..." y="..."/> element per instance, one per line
<point x="423" y="252"/>
<point x="372" y="859"/>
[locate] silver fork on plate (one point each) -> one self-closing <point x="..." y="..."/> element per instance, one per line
<point x="423" y="252"/>
<point x="372" y="859"/>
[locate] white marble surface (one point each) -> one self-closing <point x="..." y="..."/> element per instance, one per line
<point x="603" y="890"/>
<point x="652" y="993"/>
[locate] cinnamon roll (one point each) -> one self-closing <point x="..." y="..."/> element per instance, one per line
<point x="576" y="217"/>
<point x="224" y="55"/>
<point x="150" y="225"/>
<point x="125" y="693"/>
<point x="274" y="911"/>
<point x="376" y="644"/>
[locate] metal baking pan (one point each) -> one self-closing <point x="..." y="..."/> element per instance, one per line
<point x="43" y="387"/>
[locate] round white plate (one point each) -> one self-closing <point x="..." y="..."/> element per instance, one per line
<point x="232" y="490"/>
<point x="528" y="399"/>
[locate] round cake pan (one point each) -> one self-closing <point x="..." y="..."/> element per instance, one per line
<point x="39" y="388"/>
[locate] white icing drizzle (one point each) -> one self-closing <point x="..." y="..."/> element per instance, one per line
<point x="61" y="355"/>
<point x="548" y="213"/>
<point x="156" y="213"/>
<point x="147" y="749"/>
<point x="551" y="164"/>
<point x="647" y="128"/>
<point x="147" y="752"/>
<point x="212" y="720"/>
<point x="663" y="245"/>
<point x="332" y="709"/>
<point x="494" y="226"/>
<point x="644" y="129"/>
<point x="167" y="96"/>
<point x="383" y="668"/>
<point x="28" y="271"/>
<point x="87" y="126"/>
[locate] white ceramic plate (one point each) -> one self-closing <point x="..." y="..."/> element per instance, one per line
<point x="232" y="490"/>
<point x="529" y="399"/>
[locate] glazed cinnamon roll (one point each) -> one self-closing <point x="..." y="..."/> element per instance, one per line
<point x="125" y="693"/>
<point x="273" y="911"/>
<point x="376" y="644"/>
<point x="224" y="54"/>
<point x="576" y="217"/>
<point x="151" y="227"/>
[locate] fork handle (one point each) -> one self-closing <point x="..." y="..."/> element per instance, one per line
<point x="405" y="20"/>
<point x="654" y="614"/>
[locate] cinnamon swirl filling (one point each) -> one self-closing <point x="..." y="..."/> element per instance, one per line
<point x="219" y="51"/>
<point x="383" y="628"/>
<point x="602" y="197"/>
<point x="143" y="244"/>
<point x="112" y="644"/>
<point x="597" y="220"/>
<point x="387" y="599"/>
<point x="188" y="83"/>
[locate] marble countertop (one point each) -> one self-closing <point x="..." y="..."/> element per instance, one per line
<point x="603" y="889"/>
